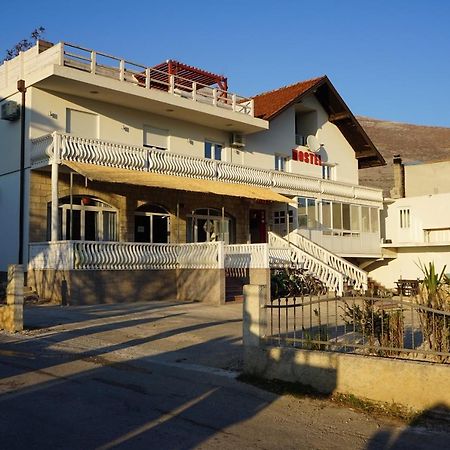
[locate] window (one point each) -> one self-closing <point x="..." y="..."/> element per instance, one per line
<point x="328" y="171"/>
<point x="208" y="225"/>
<point x="307" y="213"/>
<point x="80" y="123"/>
<point x="279" y="217"/>
<point x="374" y="223"/>
<point x="346" y="225"/>
<point x="86" y="218"/>
<point x="365" y="219"/>
<point x="405" y="219"/>
<point x="280" y="163"/>
<point x="213" y="151"/>
<point x="151" y="224"/>
<point x="337" y="216"/>
<point x="326" y="217"/>
<point x="155" y="137"/>
<point x="354" y="215"/>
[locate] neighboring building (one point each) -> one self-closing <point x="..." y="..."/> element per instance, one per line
<point x="123" y="160"/>
<point x="417" y="222"/>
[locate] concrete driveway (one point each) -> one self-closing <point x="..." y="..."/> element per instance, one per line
<point x="161" y="375"/>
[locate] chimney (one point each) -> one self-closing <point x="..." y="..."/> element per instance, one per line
<point x="398" y="191"/>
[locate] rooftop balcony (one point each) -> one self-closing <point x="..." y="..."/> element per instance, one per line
<point x="65" y="147"/>
<point x="187" y="94"/>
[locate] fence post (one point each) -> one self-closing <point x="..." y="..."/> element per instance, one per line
<point x="12" y="313"/>
<point x="254" y="317"/>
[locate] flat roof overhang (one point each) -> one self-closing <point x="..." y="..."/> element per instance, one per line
<point x="100" y="88"/>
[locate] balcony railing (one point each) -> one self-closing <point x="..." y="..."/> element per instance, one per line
<point x="102" y="64"/>
<point x="95" y="151"/>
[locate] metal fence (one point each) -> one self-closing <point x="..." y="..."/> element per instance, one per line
<point x="388" y="327"/>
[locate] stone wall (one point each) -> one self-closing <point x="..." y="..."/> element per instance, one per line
<point x="127" y="199"/>
<point x="86" y="287"/>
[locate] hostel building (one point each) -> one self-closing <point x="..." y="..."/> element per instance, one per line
<point x="160" y="182"/>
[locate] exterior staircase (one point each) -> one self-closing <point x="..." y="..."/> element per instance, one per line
<point x="316" y="257"/>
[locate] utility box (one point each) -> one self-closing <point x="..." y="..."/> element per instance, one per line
<point x="10" y="111"/>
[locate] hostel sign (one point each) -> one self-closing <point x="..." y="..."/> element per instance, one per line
<point x="306" y="157"/>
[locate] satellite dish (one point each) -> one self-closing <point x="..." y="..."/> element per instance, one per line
<point x="312" y="143"/>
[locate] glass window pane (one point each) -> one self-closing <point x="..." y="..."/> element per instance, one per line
<point x="374" y="220"/>
<point x="346" y="216"/>
<point x="218" y="152"/>
<point x="365" y="219"/>
<point x="311" y="213"/>
<point x="109" y="226"/>
<point x="208" y="146"/>
<point x="354" y="210"/>
<point x="337" y="216"/>
<point x="326" y="214"/>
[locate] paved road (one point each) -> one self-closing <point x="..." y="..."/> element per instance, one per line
<point x="160" y="376"/>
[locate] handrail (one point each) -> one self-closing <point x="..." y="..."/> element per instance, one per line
<point x="332" y="278"/>
<point x="358" y="276"/>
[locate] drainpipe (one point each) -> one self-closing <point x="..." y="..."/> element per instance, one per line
<point x="22" y="89"/>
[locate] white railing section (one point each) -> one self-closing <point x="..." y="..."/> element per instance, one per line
<point x="100" y="63"/>
<point x="246" y="256"/>
<point x="89" y="255"/>
<point x="332" y="279"/>
<point x="357" y="276"/>
<point x="111" y="154"/>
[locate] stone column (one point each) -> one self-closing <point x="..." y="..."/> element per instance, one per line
<point x="13" y="311"/>
<point x="254" y="314"/>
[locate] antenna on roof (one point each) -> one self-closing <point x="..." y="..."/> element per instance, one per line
<point x="312" y="143"/>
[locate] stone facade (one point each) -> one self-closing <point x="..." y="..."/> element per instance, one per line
<point x="126" y="199"/>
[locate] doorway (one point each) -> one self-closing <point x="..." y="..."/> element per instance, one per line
<point x="258" y="226"/>
<point x="151" y="225"/>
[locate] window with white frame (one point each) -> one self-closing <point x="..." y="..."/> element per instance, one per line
<point x="81" y="123"/>
<point x="348" y="220"/>
<point x="155" y="137"/>
<point x="213" y="150"/>
<point x="85" y="218"/>
<point x="405" y="218"/>
<point x="279" y="217"/>
<point x="328" y="171"/>
<point x="307" y="212"/>
<point x="280" y="163"/>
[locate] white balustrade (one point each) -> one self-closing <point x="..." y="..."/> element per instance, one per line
<point x="332" y="278"/>
<point x="246" y="256"/>
<point x="357" y="276"/>
<point x="94" y="255"/>
<point x="111" y="154"/>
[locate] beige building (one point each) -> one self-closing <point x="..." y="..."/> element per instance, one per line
<point x="143" y="177"/>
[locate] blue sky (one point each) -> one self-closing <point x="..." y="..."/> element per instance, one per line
<point x="388" y="59"/>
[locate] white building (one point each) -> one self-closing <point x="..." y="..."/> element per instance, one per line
<point x="417" y="225"/>
<point x="130" y="168"/>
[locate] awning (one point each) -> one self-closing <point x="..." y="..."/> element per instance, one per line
<point x="157" y="180"/>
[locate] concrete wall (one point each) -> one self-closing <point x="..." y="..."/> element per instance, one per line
<point x="87" y="287"/>
<point x="427" y="212"/>
<point x="280" y="139"/>
<point x="405" y="265"/>
<point x="425" y="179"/>
<point x="9" y="184"/>
<point x="123" y="125"/>
<point x="415" y="385"/>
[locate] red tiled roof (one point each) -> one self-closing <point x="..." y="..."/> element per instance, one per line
<point x="269" y="104"/>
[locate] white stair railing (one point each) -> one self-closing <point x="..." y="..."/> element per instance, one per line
<point x="332" y="279"/>
<point x="357" y="276"/>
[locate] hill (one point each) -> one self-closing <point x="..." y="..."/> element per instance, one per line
<point x="415" y="143"/>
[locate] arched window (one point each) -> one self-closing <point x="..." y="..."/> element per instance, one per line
<point x="208" y="225"/>
<point x="85" y="218"/>
<point x="151" y="224"/>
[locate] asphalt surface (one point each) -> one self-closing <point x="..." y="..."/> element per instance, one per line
<point x="162" y="376"/>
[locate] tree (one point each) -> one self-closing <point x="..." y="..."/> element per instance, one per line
<point x="24" y="44"/>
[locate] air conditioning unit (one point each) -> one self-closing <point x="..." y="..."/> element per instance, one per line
<point x="10" y="111"/>
<point x="238" y="140"/>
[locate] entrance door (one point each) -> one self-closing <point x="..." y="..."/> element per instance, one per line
<point x="257" y="226"/>
<point x="151" y="224"/>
